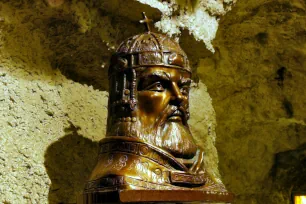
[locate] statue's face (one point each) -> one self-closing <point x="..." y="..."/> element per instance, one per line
<point x="162" y="105"/>
<point x="160" y="89"/>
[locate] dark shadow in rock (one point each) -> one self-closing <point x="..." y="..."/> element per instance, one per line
<point x="84" y="56"/>
<point x="293" y="161"/>
<point x="262" y="38"/>
<point x="195" y="50"/>
<point x="289" y="171"/>
<point x="78" y="42"/>
<point x="287" y="105"/>
<point x="69" y="162"/>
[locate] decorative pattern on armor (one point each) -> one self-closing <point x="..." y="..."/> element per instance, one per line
<point x="141" y="149"/>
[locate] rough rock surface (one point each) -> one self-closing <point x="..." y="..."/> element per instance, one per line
<point x="53" y="100"/>
<point x="53" y="60"/>
<point x="199" y="17"/>
<point x="256" y="80"/>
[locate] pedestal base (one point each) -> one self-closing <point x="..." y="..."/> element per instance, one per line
<point x="155" y="196"/>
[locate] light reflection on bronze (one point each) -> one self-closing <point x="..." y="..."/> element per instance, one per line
<point x="148" y="144"/>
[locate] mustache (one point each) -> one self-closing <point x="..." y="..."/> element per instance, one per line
<point x="183" y="112"/>
<point x="174" y="111"/>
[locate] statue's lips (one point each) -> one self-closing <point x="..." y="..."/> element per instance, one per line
<point x="176" y="116"/>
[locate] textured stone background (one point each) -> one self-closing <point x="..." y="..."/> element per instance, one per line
<point x="256" y="80"/>
<point x="53" y="102"/>
<point x="53" y="91"/>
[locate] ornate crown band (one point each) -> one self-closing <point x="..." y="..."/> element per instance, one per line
<point x="121" y="61"/>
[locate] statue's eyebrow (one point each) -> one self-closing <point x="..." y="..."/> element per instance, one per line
<point x="160" y="74"/>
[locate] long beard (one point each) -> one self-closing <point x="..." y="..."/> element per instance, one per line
<point x="174" y="137"/>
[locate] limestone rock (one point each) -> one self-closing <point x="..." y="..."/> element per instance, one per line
<point x="53" y="81"/>
<point x="53" y="100"/>
<point x="256" y="80"/>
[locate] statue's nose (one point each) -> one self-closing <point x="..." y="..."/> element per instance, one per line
<point x="176" y="93"/>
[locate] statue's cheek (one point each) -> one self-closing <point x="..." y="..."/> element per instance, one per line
<point x="152" y="103"/>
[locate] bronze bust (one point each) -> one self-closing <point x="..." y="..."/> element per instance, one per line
<point x="148" y="144"/>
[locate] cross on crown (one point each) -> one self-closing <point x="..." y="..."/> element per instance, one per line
<point x="146" y="21"/>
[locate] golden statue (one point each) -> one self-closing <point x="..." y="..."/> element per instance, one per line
<point x="148" y="146"/>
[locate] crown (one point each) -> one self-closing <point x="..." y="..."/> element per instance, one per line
<point x="149" y="49"/>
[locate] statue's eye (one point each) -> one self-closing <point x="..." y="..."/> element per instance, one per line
<point x="157" y="86"/>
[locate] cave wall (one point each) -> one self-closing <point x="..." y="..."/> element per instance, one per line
<point x="256" y="80"/>
<point x="53" y="90"/>
<point x="53" y="94"/>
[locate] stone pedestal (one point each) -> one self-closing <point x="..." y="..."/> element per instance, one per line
<point x="155" y="196"/>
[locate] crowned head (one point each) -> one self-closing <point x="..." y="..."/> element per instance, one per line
<point x="149" y="78"/>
